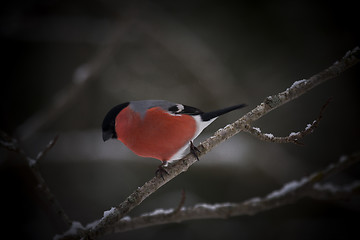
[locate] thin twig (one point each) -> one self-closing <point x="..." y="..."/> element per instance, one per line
<point x="292" y="137"/>
<point x="181" y="203"/>
<point x="42" y="153"/>
<point x="11" y="144"/>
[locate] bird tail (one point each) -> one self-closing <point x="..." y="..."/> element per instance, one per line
<point x="210" y="115"/>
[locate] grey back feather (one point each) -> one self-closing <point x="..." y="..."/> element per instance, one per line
<point x="142" y="106"/>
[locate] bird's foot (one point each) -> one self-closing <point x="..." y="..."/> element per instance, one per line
<point x="161" y="170"/>
<point x="194" y="150"/>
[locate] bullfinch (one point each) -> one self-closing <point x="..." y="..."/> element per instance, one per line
<point x="158" y="128"/>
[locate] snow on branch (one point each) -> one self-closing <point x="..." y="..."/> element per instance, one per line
<point x="293" y="137"/>
<point x="291" y="192"/>
<point x="329" y="191"/>
<point x="270" y="103"/>
<point x="42" y="153"/>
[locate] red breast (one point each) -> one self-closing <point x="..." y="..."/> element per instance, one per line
<point x="158" y="134"/>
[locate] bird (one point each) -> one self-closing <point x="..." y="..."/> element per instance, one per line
<point x="158" y="129"/>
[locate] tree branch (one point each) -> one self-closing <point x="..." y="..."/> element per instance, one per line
<point x="270" y="103"/>
<point x="293" y="137"/>
<point x="12" y="145"/>
<point x="330" y="191"/>
<point x="291" y="192"/>
<point x="42" y="153"/>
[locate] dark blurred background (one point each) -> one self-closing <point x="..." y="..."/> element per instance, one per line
<point x="64" y="64"/>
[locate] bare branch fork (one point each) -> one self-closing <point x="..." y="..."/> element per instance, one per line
<point x="297" y="89"/>
<point x="293" y="136"/>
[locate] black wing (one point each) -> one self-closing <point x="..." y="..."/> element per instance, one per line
<point x="183" y="109"/>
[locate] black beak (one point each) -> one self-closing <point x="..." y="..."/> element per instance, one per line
<point x="107" y="135"/>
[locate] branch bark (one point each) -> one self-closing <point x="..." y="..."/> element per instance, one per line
<point x="293" y="137"/>
<point x="291" y="192"/>
<point x="297" y="89"/>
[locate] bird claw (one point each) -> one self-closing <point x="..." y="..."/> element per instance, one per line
<point x="194" y="150"/>
<point x="161" y="170"/>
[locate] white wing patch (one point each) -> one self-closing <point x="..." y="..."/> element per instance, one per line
<point x="180" y="107"/>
